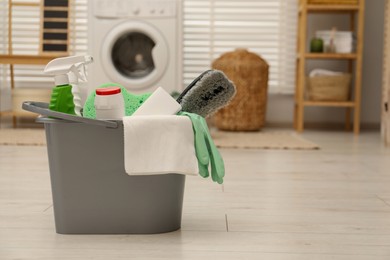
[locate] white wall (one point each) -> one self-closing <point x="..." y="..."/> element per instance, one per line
<point x="280" y="107"/>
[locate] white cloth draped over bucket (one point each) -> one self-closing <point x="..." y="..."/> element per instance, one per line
<point x="159" y="144"/>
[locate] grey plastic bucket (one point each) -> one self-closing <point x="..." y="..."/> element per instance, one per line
<point x="92" y="193"/>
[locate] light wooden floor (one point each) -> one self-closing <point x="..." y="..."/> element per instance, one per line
<point x="333" y="203"/>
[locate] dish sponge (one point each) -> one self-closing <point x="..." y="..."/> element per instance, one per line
<point x="132" y="102"/>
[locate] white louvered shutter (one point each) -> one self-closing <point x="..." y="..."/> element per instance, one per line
<point x="265" y="27"/>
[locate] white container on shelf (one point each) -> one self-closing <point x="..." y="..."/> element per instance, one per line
<point x="343" y="40"/>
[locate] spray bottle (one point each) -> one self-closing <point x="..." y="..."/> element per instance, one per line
<point x="62" y="97"/>
<point x="78" y="80"/>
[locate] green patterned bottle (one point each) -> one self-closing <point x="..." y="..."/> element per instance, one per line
<point x="62" y="99"/>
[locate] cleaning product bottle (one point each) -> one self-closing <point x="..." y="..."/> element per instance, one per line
<point x="62" y="97"/>
<point x="78" y="80"/>
<point x="109" y="103"/>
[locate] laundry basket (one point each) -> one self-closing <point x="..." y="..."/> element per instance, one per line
<point x="92" y="193"/>
<point x="329" y="88"/>
<point x="249" y="72"/>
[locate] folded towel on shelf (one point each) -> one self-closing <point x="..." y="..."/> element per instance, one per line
<point x="323" y="72"/>
<point x="159" y="144"/>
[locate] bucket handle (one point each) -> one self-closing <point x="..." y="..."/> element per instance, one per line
<point x="43" y="109"/>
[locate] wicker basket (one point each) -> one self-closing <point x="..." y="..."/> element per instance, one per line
<point x="334" y="2"/>
<point x="249" y="72"/>
<point x="329" y="88"/>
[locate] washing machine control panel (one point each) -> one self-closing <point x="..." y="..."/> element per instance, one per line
<point x="133" y="8"/>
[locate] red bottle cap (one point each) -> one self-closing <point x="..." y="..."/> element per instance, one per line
<point x="108" y="91"/>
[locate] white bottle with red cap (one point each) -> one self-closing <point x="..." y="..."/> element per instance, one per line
<point x="109" y="104"/>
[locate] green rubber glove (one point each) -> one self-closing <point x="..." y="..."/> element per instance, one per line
<point x="216" y="161"/>
<point x="206" y="150"/>
<point x="202" y="153"/>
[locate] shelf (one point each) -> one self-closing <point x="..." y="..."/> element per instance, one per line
<point x="348" y="56"/>
<point x="329" y="103"/>
<point x="17" y="113"/>
<point x="332" y="8"/>
<point x="6" y="112"/>
<point x="355" y="14"/>
<point x="26" y="59"/>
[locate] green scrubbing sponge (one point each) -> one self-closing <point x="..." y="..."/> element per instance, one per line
<point x="132" y="102"/>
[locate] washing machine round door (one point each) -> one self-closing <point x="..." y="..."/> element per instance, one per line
<point x="134" y="54"/>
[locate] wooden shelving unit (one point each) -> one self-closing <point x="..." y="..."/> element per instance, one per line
<point x="50" y="46"/>
<point x="331" y="8"/>
<point x="353" y="58"/>
<point x="330" y="56"/>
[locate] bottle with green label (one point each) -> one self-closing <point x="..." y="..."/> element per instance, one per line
<point x="62" y="99"/>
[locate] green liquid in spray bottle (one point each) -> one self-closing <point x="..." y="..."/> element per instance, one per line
<point x="62" y="99"/>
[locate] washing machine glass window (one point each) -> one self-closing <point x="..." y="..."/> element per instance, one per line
<point x="132" y="55"/>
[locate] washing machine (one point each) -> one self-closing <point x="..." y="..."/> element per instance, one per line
<point x="136" y="44"/>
